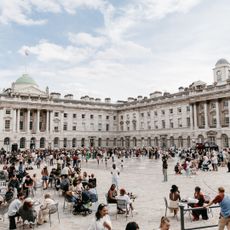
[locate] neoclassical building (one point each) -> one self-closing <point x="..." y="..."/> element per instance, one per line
<point x="33" y="118"/>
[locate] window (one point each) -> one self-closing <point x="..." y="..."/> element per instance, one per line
<point x="179" y="110"/>
<point x="107" y="117"/>
<point x="162" y="112"/>
<point x="188" y="122"/>
<point x="83" y="125"/>
<point x="92" y="126"/>
<point x="171" y="123"/>
<point x="155" y="125"/>
<point x="155" y="113"/>
<point x="7" y="124"/>
<point x="83" y="116"/>
<point x="56" y="129"/>
<point x="99" y="127"/>
<point x="142" y="115"/>
<point x="8" y="111"/>
<point x="21" y="125"/>
<point x="65" y="127"/>
<point x="74" y="115"/>
<point x="149" y="125"/>
<point x="99" y="116"/>
<point x="74" y="128"/>
<point x="91" y="116"/>
<point x="163" y="124"/>
<point x="114" y="118"/>
<point x="121" y="117"/>
<point x="188" y="108"/>
<point x="21" y="113"/>
<point x="170" y="111"/>
<point x="107" y="127"/>
<point x="56" y="114"/>
<point x="225" y="104"/>
<point x="31" y="125"/>
<point x="142" y="125"/>
<point x="148" y="114"/>
<point x="213" y="105"/>
<point x="179" y="122"/>
<point x="65" y="115"/>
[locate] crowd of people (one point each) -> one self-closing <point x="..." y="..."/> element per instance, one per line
<point x="60" y="169"/>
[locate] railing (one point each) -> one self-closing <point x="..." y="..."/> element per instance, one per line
<point x="183" y="210"/>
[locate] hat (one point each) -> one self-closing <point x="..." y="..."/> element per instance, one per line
<point x="28" y="200"/>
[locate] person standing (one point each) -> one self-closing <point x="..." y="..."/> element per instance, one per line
<point x="13" y="209"/>
<point x="115" y="175"/>
<point x="102" y="220"/>
<point x="224" y="201"/>
<point x="165" y="167"/>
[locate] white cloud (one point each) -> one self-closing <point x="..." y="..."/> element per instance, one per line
<point x="87" y="39"/>
<point x="46" y="51"/>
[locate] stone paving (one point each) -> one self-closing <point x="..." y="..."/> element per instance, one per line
<point x="143" y="177"/>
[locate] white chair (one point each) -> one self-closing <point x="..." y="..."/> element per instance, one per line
<point x="110" y="205"/>
<point x="52" y="210"/>
<point x="122" y="205"/>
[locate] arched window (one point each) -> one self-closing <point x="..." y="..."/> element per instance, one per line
<point x="33" y="143"/>
<point x="135" y="142"/>
<point x="99" y="142"/>
<point x="149" y="141"/>
<point x="56" y="142"/>
<point x="83" y="142"/>
<point x="74" y="142"/>
<point x="224" y="139"/>
<point x="122" y="142"/>
<point x="180" y="142"/>
<point x="65" y="142"/>
<point x="22" y="143"/>
<point x="42" y="142"/>
<point x="172" y="141"/>
<point x="7" y="141"/>
<point x="200" y="139"/>
<point x="107" y="141"/>
<point x="114" y="142"/>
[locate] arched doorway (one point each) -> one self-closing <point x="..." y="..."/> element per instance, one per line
<point x="42" y="142"/>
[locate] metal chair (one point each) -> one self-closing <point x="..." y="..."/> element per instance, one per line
<point x="52" y="210"/>
<point x="167" y="207"/>
<point x="122" y="205"/>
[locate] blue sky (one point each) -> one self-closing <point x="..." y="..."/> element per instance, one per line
<point x="113" y="48"/>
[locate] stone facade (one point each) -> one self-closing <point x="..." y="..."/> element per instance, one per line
<point x="32" y="118"/>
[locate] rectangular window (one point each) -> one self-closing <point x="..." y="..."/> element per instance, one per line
<point x="114" y="118"/>
<point x="31" y="125"/>
<point x="99" y="116"/>
<point x="155" y="125"/>
<point x="163" y="124"/>
<point x="162" y="112"/>
<point x="171" y="123"/>
<point x="65" y="127"/>
<point x="121" y="117"/>
<point x="56" y="114"/>
<point x="188" y="108"/>
<point x="155" y="113"/>
<point x="148" y="114"/>
<point x="179" y="110"/>
<point x="7" y="124"/>
<point x="8" y="111"/>
<point x="142" y="125"/>
<point x="91" y="116"/>
<point x="107" y="117"/>
<point x="83" y="125"/>
<point x="142" y="114"/>
<point x="99" y="127"/>
<point x="107" y="127"/>
<point x="171" y="111"/>
<point x="179" y="122"/>
<point x="56" y="129"/>
<point x="21" y="124"/>
<point x="83" y="116"/>
<point x="92" y="126"/>
<point x="74" y="115"/>
<point x="74" y="128"/>
<point x="65" y="115"/>
<point x="225" y="104"/>
<point x="188" y="122"/>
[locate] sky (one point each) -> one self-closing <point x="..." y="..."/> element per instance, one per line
<point x="112" y="48"/>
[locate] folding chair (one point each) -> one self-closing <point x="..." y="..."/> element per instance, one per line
<point x="122" y="205"/>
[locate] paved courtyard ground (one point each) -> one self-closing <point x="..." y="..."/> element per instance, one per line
<point x="143" y="177"/>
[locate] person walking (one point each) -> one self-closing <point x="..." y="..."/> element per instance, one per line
<point x="224" y="202"/>
<point x="115" y="175"/>
<point x="165" y="167"/>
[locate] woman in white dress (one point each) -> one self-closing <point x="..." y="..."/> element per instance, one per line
<point x="102" y="220"/>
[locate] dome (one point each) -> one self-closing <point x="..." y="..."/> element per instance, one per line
<point x="222" y="61"/>
<point x="25" y="79"/>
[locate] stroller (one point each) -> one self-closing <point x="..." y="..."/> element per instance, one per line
<point x="83" y="204"/>
<point x="205" y="165"/>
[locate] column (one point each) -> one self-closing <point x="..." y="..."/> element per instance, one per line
<point x="18" y="121"/>
<point x="62" y="123"/>
<point x="206" y="115"/>
<point x="51" y="121"/>
<point x="14" y="120"/>
<point x="229" y="113"/>
<point x="195" y="117"/>
<point x="191" y="116"/>
<point x="38" y="121"/>
<point x="47" y="120"/>
<point x="217" y="115"/>
<point x="28" y="120"/>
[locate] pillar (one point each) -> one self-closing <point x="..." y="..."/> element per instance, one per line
<point x="18" y="120"/>
<point x="47" y="120"/>
<point x="195" y="117"/>
<point x="206" y="115"/>
<point x="217" y="115"/>
<point x="28" y="120"/>
<point x="14" y="120"/>
<point x="38" y="121"/>
<point x="191" y="117"/>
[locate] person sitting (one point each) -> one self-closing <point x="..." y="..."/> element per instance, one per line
<point x="27" y="212"/>
<point x="178" y="168"/>
<point x="124" y="196"/>
<point x="44" y="209"/>
<point x="165" y="223"/>
<point x="14" y="183"/>
<point x="92" y="192"/>
<point x="174" y="198"/>
<point x="93" y="180"/>
<point x="112" y="193"/>
<point x="9" y="195"/>
<point x="203" y="212"/>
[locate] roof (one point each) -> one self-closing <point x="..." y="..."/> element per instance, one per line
<point x="222" y="61"/>
<point x="26" y="79"/>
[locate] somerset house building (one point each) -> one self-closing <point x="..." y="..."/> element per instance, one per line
<point x="33" y="118"/>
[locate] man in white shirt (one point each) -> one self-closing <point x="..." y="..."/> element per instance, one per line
<point x="13" y="209"/>
<point x="124" y="196"/>
<point x="115" y="175"/>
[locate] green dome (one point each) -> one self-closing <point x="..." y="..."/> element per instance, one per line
<point x="26" y="79"/>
